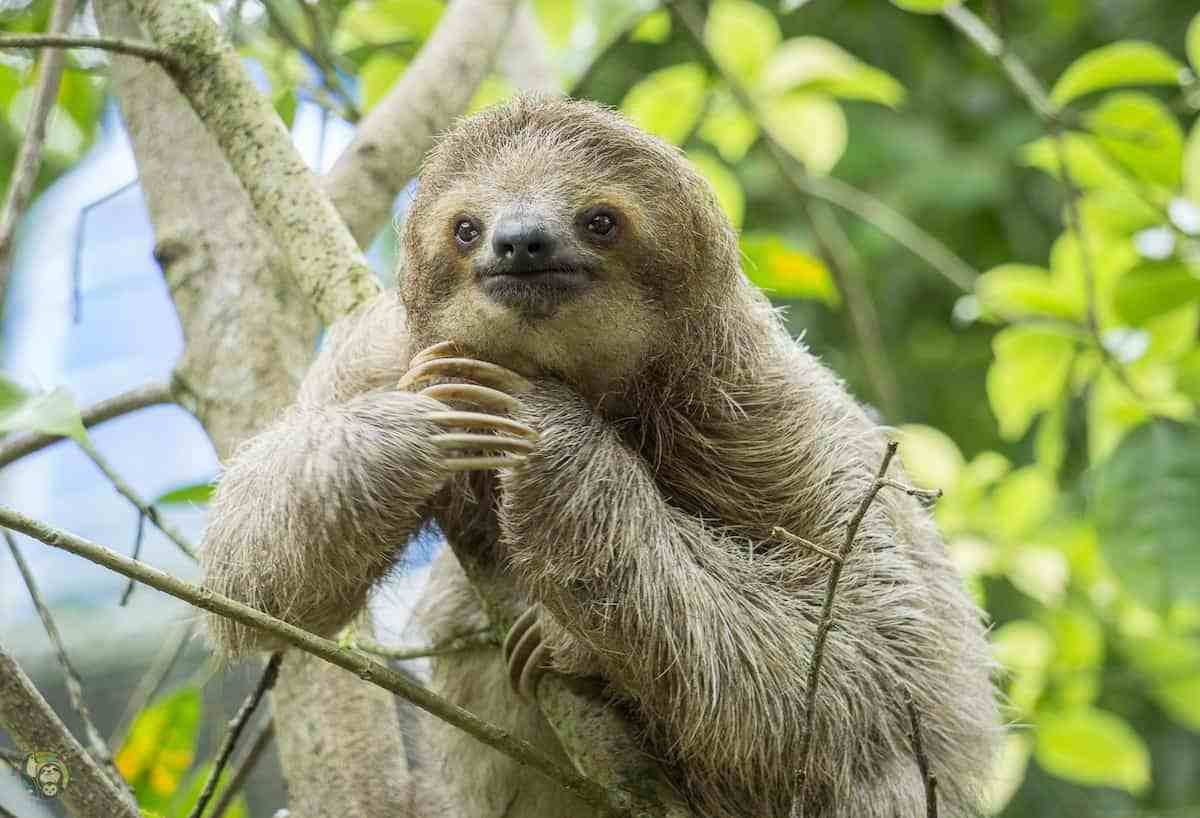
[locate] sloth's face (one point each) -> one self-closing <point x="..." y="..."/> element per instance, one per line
<point x="556" y="239"/>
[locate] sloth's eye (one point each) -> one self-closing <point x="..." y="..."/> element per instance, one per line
<point x="466" y="231"/>
<point x="601" y="224"/>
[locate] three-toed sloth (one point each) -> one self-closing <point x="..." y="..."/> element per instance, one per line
<point x="576" y="381"/>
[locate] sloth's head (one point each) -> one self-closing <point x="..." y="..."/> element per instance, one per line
<point x="554" y="237"/>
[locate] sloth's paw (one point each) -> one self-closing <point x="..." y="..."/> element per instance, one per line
<point x="527" y="655"/>
<point x="483" y="436"/>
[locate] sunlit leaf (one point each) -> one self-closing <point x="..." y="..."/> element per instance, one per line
<point x="1193" y="43"/>
<point x="1130" y="62"/>
<point x="1092" y="747"/>
<point x="654" y="28"/>
<point x="1078" y="641"/>
<point x="741" y="36"/>
<point x="727" y="128"/>
<point x="377" y="76"/>
<point x="1023" y="650"/>
<point x="810" y="126"/>
<point x="1146" y="502"/>
<point x="930" y="457"/>
<point x="1153" y="288"/>
<point x="1089" y="165"/>
<point x="1115" y="212"/>
<point x="1022" y="500"/>
<point x="1028" y="375"/>
<point x="25" y="410"/>
<point x="817" y="64"/>
<point x="1170" y="665"/>
<point x="1050" y="440"/>
<point x="385" y="21"/>
<point x="1140" y="133"/>
<point x="285" y="105"/>
<point x="558" y="19"/>
<point x="924" y="6"/>
<point x="1191" y="164"/>
<point x="1018" y="290"/>
<point x="186" y="495"/>
<point x="786" y="271"/>
<point x="668" y="102"/>
<point x="724" y="183"/>
<point x="159" y="747"/>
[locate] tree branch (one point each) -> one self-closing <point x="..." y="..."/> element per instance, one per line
<point x="265" y="682"/>
<point x="17" y="446"/>
<point x="322" y="255"/>
<point x="241" y="771"/>
<point x="100" y="749"/>
<point x="132" y="48"/>
<point x="394" y="136"/>
<point x="456" y="644"/>
<point x="34" y="727"/>
<point x="25" y="167"/>
<point x="603" y="799"/>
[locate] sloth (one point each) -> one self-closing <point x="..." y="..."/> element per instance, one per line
<point x="575" y="381"/>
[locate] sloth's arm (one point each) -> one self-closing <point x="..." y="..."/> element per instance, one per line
<point x="314" y="509"/>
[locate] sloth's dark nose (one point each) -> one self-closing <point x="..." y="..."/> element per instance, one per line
<point x="522" y="246"/>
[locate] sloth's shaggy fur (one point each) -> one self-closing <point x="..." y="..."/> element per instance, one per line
<point x="679" y="426"/>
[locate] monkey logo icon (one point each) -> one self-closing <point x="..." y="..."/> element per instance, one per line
<point x="47" y="774"/>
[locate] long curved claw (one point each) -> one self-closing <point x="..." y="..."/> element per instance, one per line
<point x="528" y="657"/>
<point x="483" y="372"/>
<point x="474" y="442"/>
<point x="481" y="420"/>
<point x="482" y="396"/>
<point x="481" y="463"/>
<point x="439" y="350"/>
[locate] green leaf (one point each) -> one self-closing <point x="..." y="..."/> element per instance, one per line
<point x="1018" y="290"/>
<point x="931" y="458"/>
<point x="809" y="126"/>
<point x="186" y="495"/>
<point x="1023" y="650"/>
<point x="377" y="76"/>
<point x="654" y="28"/>
<point x="817" y="64"/>
<point x="727" y="128"/>
<point x="1021" y="502"/>
<point x="1191" y="164"/>
<point x="1050" y="440"/>
<point x="51" y="413"/>
<point x="558" y="19"/>
<point x="1170" y="666"/>
<point x="1141" y="134"/>
<point x="924" y="6"/>
<point x="1154" y="288"/>
<point x="741" y="36"/>
<point x="1115" y="213"/>
<point x="159" y="748"/>
<point x="1193" y="43"/>
<point x="385" y="21"/>
<point x="285" y="105"/>
<point x="1078" y="641"/>
<point x="785" y="271"/>
<point x="1028" y="375"/>
<point x="668" y="102"/>
<point x="1130" y="62"/>
<point x="1094" y="748"/>
<point x="1146" y="502"/>
<point x="1090" y="167"/>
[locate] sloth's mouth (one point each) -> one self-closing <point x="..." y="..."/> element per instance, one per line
<point x="535" y="293"/>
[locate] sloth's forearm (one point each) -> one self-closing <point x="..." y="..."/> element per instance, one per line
<point x="311" y="512"/>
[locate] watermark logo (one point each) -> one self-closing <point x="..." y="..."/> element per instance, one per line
<point x="46" y="774"/>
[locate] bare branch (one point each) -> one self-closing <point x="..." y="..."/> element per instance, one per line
<point x="394" y="135"/>
<point x="236" y="726"/>
<point x="246" y="764"/>
<point x="322" y="255"/>
<point x="455" y="644"/>
<point x="99" y="748"/>
<point x="807" y="543"/>
<point x="136" y="554"/>
<point x="17" y="446"/>
<point x="927" y="775"/>
<point x="34" y="726"/>
<point x="607" y="801"/>
<point x="29" y="157"/>
<point x="144" y="508"/>
<point x="866" y="207"/>
<point x="132" y="48"/>
<point x="826" y="622"/>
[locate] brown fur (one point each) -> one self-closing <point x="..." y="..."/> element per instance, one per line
<point x="679" y="424"/>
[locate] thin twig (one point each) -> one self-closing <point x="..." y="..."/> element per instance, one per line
<point x="143" y="507"/>
<point x="329" y="79"/>
<point x="826" y="622"/>
<point x="17" y="446"/>
<point x="264" y="732"/>
<point x="866" y="207"/>
<point x="609" y="801"/>
<point x="96" y="743"/>
<point x="152" y="681"/>
<point x="455" y="644"/>
<point x="807" y="543"/>
<point x="927" y="775"/>
<point x="236" y="726"/>
<point x="926" y="497"/>
<point x="135" y="554"/>
<point x="133" y="48"/>
<point x="25" y="167"/>
<point x="77" y="253"/>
